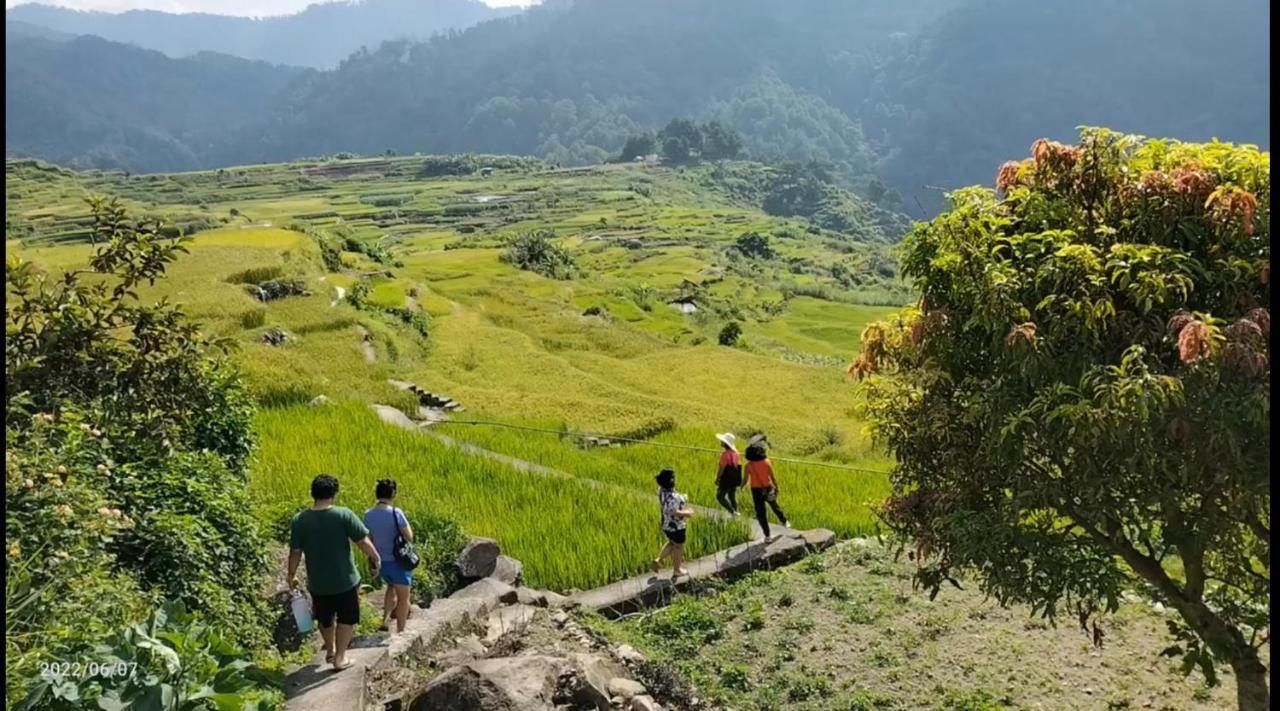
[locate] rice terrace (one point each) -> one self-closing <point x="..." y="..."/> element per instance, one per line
<point x="923" y="394"/>
<point x="412" y="270"/>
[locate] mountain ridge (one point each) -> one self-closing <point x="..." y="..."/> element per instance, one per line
<point x="319" y="36"/>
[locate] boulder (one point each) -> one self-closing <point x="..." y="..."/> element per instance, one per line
<point x="644" y="703"/>
<point x="628" y="654"/>
<point x="509" y="618"/>
<point x="276" y="337"/>
<point x="492" y="592"/>
<point x="503" y="684"/>
<point x="508" y="570"/>
<point x="468" y="649"/>
<point x="477" y="559"/>
<point x="528" y="682"/>
<point x="596" y="672"/>
<point x="625" y="688"/>
<point x="819" y="538"/>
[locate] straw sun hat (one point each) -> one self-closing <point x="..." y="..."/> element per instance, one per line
<point x="727" y="438"/>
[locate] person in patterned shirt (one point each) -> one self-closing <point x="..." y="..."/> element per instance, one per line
<point x="675" y="513"/>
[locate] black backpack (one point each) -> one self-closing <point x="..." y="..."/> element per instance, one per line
<point x="730" y="475"/>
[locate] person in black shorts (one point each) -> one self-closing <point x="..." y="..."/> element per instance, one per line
<point x="675" y="512"/>
<point x="324" y="534"/>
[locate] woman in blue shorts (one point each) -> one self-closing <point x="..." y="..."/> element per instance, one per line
<point x="384" y="521"/>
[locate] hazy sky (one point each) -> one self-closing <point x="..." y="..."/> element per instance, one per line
<point x="257" y="8"/>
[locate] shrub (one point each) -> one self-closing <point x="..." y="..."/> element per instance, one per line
<point x="436" y="166"/>
<point x="754" y="244"/>
<point x="730" y="334"/>
<point x="254" y="318"/>
<point x="535" y="252"/>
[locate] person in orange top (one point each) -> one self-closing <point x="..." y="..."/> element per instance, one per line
<point x="728" y="474"/>
<point x="764" y="486"/>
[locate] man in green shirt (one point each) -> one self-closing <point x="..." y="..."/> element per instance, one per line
<point x="324" y="534"/>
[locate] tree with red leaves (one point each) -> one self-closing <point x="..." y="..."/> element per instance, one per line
<point x="1079" y="404"/>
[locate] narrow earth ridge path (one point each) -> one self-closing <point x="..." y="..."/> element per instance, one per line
<point x="396" y="417"/>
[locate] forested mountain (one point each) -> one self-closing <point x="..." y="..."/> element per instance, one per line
<point x="571" y="82"/>
<point x="994" y="75"/>
<point x="928" y="93"/>
<point x="18" y="28"/>
<point x="89" y="102"/>
<point x="319" y="36"/>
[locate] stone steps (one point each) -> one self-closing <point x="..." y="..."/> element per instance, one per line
<point x="429" y="399"/>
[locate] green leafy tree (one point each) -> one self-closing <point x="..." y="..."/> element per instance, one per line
<point x="719" y="142"/>
<point x="638" y="146"/>
<point x="798" y="189"/>
<point x="681" y="140"/>
<point x="754" y="244"/>
<point x="730" y="334"/>
<point x="1079" y="404"/>
<point x="127" y="438"/>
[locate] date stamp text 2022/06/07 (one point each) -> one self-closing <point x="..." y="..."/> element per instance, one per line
<point x="59" y="671"/>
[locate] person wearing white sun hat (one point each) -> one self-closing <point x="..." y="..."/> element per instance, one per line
<point x="728" y="473"/>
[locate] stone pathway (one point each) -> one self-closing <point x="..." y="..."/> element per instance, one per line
<point x="498" y="607"/>
<point x="649" y="589"/>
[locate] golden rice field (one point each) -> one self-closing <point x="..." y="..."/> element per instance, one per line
<point x="601" y="353"/>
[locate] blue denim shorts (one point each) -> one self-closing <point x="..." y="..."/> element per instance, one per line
<point x="392" y="573"/>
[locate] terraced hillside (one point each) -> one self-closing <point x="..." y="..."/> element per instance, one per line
<point x="335" y="277"/>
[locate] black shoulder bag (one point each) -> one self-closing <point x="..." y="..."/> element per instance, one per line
<point x="406" y="556"/>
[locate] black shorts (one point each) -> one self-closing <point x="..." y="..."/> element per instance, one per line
<point x="676" y="537"/>
<point x="345" y="606"/>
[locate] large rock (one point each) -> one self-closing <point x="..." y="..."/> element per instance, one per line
<point x="628" y="654"/>
<point x="596" y="672"/>
<point x="463" y="689"/>
<point x="509" y="618"/>
<point x="819" y="538"/>
<point x="467" y="649"/>
<point x="625" y="688"/>
<point x="525" y="683"/>
<point x="492" y="592"/>
<point x="478" y="558"/>
<point x="645" y="702"/>
<point x="508" y="570"/>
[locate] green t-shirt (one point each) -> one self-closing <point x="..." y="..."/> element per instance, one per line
<point x="325" y="538"/>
